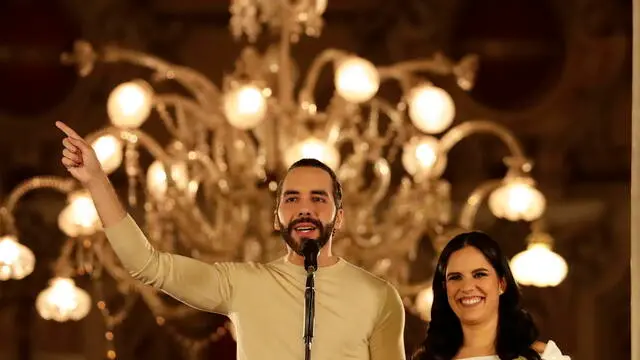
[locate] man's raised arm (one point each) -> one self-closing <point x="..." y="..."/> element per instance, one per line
<point x="198" y="284"/>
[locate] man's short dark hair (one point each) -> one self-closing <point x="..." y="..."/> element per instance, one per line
<point x="314" y="163"/>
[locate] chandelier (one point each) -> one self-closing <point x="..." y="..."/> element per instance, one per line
<point x="209" y="191"/>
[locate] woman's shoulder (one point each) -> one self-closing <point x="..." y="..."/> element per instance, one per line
<point x="549" y="350"/>
<point x="539" y="346"/>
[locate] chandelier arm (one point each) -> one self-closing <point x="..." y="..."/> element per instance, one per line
<point x="347" y="135"/>
<point x="194" y="135"/>
<point x="388" y="109"/>
<point x="112" y="320"/>
<point x="266" y="147"/>
<point x="339" y="134"/>
<point x="285" y="104"/>
<point x="134" y="136"/>
<point x="378" y="105"/>
<point x="285" y="78"/>
<point x="169" y="122"/>
<point x="213" y="236"/>
<point x="218" y="151"/>
<point x="199" y="230"/>
<point x="385" y="241"/>
<point x="7" y="221"/>
<point x="201" y="87"/>
<point x="383" y="173"/>
<point x="213" y="173"/>
<point x="63" y="185"/>
<point x="396" y="127"/>
<point x="182" y="122"/>
<point x="337" y="127"/>
<point x="374" y="144"/>
<point x="331" y="55"/>
<point x="461" y="131"/>
<point x="404" y="71"/>
<point x="333" y="131"/>
<point x="348" y="172"/>
<point x="138" y="136"/>
<point x="62" y="266"/>
<point x="178" y="125"/>
<point x="85" y="57"/>
<point x="471" y="206"/>
<point x="366" y="205"/>
<point x="211" y="119"/>
<point x="250" y="148"/>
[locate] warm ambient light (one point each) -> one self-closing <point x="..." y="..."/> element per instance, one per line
<point x="63" y="301"/>
<point x="516" y="200"/>
<point x="245" y="107"/>
<point x="108" y="150"/>
<point x="130" y="103"/>
<point x="16" y="260"/>
<point x="539" y="265"/>
<point x="431" y="109"/>
<point x="356" y="79"/>
<point x="313" y="148"/>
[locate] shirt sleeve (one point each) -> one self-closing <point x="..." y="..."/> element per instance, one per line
<point x="206" y="287"/>
<point x="387" y="341"/>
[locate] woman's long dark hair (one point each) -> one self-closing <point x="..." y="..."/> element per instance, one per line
<point x="516" y="331"/>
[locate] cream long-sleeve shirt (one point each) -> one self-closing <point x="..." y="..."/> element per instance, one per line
<point x="358" y="316"/>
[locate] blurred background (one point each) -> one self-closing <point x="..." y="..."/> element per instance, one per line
<point x="440" y="116"/>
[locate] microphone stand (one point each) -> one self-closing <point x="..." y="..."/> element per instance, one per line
<point x="309" y="312"/>
<point x="309" y="249"/>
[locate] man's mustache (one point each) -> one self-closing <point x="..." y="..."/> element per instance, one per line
<point x="317" y="223"/>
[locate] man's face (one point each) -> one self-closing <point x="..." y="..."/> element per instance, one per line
<point x="307" y="209"/>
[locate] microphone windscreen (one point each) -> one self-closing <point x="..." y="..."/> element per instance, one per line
<point x="309" y="249"/>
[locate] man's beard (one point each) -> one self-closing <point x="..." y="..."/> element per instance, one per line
<point x="325" y="230"/>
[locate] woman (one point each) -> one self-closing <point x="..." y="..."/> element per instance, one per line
<point x="476" y="312"/>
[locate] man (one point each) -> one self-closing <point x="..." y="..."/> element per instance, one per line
<point x="357" y="315"/>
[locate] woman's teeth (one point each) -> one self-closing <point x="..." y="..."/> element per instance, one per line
<point x="470" y="301"/>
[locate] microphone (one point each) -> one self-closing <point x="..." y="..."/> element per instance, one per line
<point x="309" y="249"/>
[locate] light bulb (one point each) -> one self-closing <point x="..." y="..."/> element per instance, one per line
<point x="130" y="103"/>
<point x="80" y="216"/>
<point x="108" y="150"/>
<point x="539" y="266"/>
<point x="431" y="109"/>
<point x="421" y="155"/>
<point x="315" y="149"/>
<point x="356" y="79"/>
<point x="516" y="200"/>
<point x="245" y="107"/>
<point x="63" y="301"/>
<point x="16" y="260"/>
<point x="157" y="178"/>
